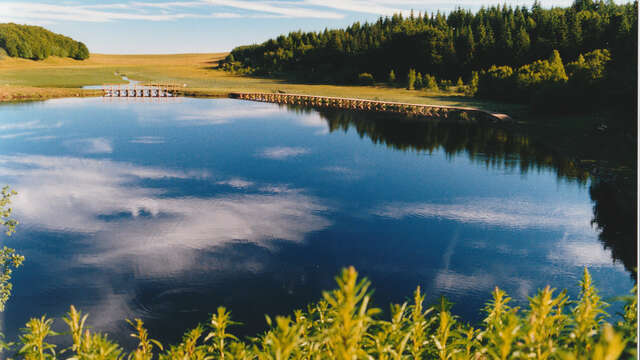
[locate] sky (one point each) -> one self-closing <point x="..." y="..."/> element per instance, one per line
<point x="197" y="26"/>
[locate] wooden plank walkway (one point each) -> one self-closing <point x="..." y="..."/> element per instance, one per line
<point x="441" y="112"/>
<point x="151" y="90"/>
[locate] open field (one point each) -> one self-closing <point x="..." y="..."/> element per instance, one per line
<point x="198" y="73"/>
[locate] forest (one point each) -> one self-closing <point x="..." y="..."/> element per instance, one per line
<point x="38" y="43"/>
<point x="516" y="54"/>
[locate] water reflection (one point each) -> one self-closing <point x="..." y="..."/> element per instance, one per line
<point x="103" y="196"/>
<point x="612" y="191"/>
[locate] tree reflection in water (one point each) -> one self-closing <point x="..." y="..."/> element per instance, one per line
<point x="612" y="188"/>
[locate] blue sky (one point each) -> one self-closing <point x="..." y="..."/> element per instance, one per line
<point x="180" y="26"/>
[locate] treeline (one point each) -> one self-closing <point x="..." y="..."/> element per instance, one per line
<point x="450" y="47"/>
<point x="38" y="43"/>
<point x="549" y="84"/>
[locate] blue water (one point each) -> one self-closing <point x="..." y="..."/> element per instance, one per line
<point x="165" y="209"/>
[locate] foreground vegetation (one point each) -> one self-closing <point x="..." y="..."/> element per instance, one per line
<point x="343" y="326"/>
<point x="38" y="43"/>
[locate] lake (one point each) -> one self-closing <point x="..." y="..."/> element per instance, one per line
<point x="165" y="209"/>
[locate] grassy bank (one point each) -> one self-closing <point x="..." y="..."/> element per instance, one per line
<point x="198" y="73"/>
<point x="10" y="93"/>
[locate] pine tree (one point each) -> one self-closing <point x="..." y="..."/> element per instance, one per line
<point x="392" y="77"/>
<point x="419" y="84"/>
<point x="557" y="68"/>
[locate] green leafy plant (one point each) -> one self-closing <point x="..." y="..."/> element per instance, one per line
<point x="9" y="259"/>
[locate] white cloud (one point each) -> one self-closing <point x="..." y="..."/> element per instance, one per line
<point x="90" y="145"/>
<point x="154" y="11"/>
<point x="79" y="195"/>
<point x="580" y="253"/>
<point x="513" y="213"/>
<point x="16" y="135"/>
<point x="25" y="128"/>
<point x="236" y="183"/>
<point x="147" y="140"/>
<point x="359" y="6"/>
<point x="176" y="10"/>
<point x="344" y="172"/>
<point x="29" y="125"/>
<point x="42" y="138"/>
<point x="204" y="112"/>
<point x="281" y="8"/>
<point x="282" y="152"/>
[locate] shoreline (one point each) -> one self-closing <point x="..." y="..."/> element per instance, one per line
<point x="13" y="94"/>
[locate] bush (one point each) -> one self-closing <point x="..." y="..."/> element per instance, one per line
<point x="430" y="82"/>
<point x="365" y="79"/>
<point x="343" y="326"/>
<point x="497" y="83"/>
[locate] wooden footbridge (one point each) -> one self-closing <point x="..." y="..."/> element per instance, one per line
<point x="451" y="113"/>
<point x="150" y="90"/>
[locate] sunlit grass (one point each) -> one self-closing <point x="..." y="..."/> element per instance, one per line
<point x="198" y="73"/>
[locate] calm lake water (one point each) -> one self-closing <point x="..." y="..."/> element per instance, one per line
<point x="167" y="209"/>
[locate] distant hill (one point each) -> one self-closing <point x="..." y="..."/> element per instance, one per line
<point x="38" y="43"/>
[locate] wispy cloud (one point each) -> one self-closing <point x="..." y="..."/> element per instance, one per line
<point x="24" y="128"/>
<point x="16" y="135"/>
<point x="86" y="190"/>
<point x="90" y="145"/>
<point x="282" y="152"/>
<point x="147" y="140"/>
<point x="236" y="183"/>
<point x="29" y="125"/>
<point x="216" y="9"/>
<point x="160" y="11"/>
<point x="42" y="138"/>
<point x="343" y="172"/>
<point x="514" y="213"/>
<point x="280" y="8"/>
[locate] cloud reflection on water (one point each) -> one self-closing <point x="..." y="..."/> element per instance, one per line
<point x="511" y="213"/>
<point x="102" y="197"/>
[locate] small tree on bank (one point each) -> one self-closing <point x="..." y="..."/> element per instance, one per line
<point x="419" y="84"/>
<point x="411" y="79"/>
<point x="392" y="77"/>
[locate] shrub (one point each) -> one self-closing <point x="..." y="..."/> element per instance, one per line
<point x="430" y="82"/>
<point x="497" y="83"/>
<point x="365" y="79"/>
